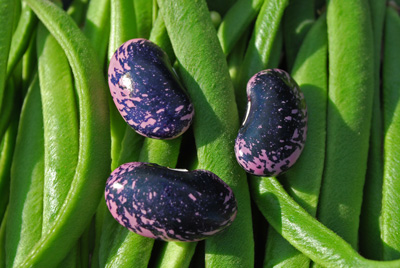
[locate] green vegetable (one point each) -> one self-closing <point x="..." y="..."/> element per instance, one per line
<point x="297" y="21"/>
<point x="303" y="180"/>
<point x="6" y="156"/>
<point x="303" y="231"/>
<point x="370" y="241"/>
<point x="203" y="69"/>
<point x="390" y="216"/>
<point x="349" y="116"/>
<point x="144" y="17"/>
<point x="7" y="10"/>
<point x="97" y="27"/>
<point x="24" y="219"/>
<point x="93" y="160"/>
<point x="236" y="21"/>
<point x="260" y="46"/>
<point x="21" y="36"/>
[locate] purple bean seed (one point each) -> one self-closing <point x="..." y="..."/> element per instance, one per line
<point x="274" y="130"/>
<point x="169" y="204"/>
<point x="147" y="91"/>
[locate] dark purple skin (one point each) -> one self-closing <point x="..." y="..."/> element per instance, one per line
<point x="169" y="204"/>
<point x="147" y="91"/>
<point x="274" y="130"/>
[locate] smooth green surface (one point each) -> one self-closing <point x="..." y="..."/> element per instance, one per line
<point x="24" y="220"/>
<point x="21" y="36"/>
<point x="144" y="17"/>
<point x="351" y="81"/>
<point x="97" y="27"/>
<point x="297" y="21"/>
<point x="370" y="241"/>
<point x="303" y="180"/>
<point x="236" y="22"/>
<point x="303" y="231"/>
<point x="204" y="72"/>
<point x="60" y="123"/>
<point x="260" y="46"/>
<point x="94" y="138"/>
<point x="7" y="12"/>
<point x="390" y="215"/>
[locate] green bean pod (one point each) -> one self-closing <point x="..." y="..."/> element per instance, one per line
<point x="24" y="219"/>
<point x="144" y="17"/>
<point x="304" y="232"/>
<point x="260" y="46"/>
<point x="236" y="21"/>
<point x="97" y="27"/>
<point x="29" y="64"/>
<point x="94" y="144"/>
<point x="122" y="29"/>
<point x="77" y="11"/>
<point x="3" y="240"/>
<point x="349" y="116"/>
<point x="160" y="36"/>
<point x="9" y="107"/>
<point x="60" y="124"/>
<point x="21" y="36"/>
<point x="6" y="155"/>
<point x="370" y="241"/>
<point x="176" y="255"/>
<point x="390" y="216"/>
<point x="204" y="72"/>
<point x="297" y="21"/>
<point x="303" y="181"/>
<point x="7" y="12"/>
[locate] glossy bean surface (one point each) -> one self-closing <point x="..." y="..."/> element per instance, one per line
<point x="168" y="204"/>
<point x="147" y="91"/>
<point x="274" y="130"/>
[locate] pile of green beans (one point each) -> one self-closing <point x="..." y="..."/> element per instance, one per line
<point x="61" y="135"/>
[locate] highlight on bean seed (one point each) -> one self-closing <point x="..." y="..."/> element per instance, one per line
<point x="274" y="130"/>
<point x="169" y="204"/>
<point x="147" y="91"/>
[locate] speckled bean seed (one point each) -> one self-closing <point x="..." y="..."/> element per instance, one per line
<point x="147" y="91"/>
<point x="169" y="204"/>
<point x="274" y="130"/>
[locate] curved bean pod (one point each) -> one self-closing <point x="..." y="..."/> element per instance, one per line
<point x="349" y="116"/>
<point x="303" y="180"/>
<point x="260" y="46"/>
<point x="24" y="220"/>
<point x="297" y="20"/>
<point x="6" y="156"/>
<point x="306" y="234"/>
<point x="144" y="17"/>
<point x="370" y="241"/>
<point x="97" y="26"/>
<point x="211" y="90"/>
<point x="236" y="21"/>
<point x="94" y="150"/>
<point x="60" y="119"/>
<point x="7" y="8"/>
<point x="390" y="216"/>
<point x="21" y="36"/>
